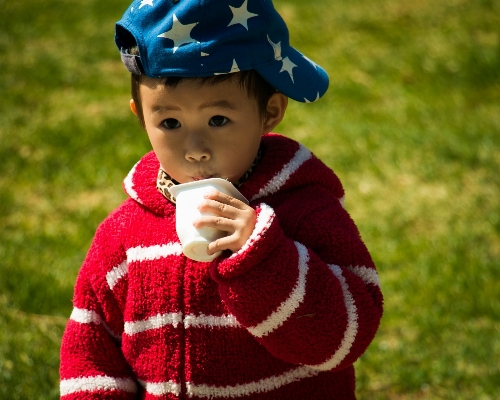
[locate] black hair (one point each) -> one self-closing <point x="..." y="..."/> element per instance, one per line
<point x="250" y="81"/>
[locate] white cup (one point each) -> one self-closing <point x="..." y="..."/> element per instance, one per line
<point x="188" y="197"/>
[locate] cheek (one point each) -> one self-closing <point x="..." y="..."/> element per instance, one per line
<point x="154" y="139"/>
<point x="156" y="136"/>
<point x="241" y="156"/>
<point x="160" y="146"/>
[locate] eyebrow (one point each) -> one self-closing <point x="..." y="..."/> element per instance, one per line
<point x="157" y="109"/>
<point x="219" y="104"/>
<point x="211" y="104"/>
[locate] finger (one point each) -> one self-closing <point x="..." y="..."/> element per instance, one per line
<point x="217" y="208"/>
<point x="230" y="242"/>
<point x="216" y="222"/>
<point x="225" y="199"/>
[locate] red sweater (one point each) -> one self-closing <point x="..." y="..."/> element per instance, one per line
<point x="283" y="318"/>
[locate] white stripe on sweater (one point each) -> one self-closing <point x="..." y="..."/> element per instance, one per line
<point x="264" y="221"/>
<point x="155" y="322"/>
<point x="85" y="316"/>
<point x="351" y="328"/>
<point x="118" y="272"/>
<point x="141" y="254"/>
<point x="342" y="201"/>
<point x="94" y="383"/>
<point x="368" y="275"/>
<point x="246" y="389"/>
<point x="276" y="319"/>
<point x="175" y="319"/>
<point x="158" y="321"/>
<point x="153" y="252"/>
<point x="279" y="180"/>
<point x="161" y="388"/>
<point x="128" y="184"/>
<point x="210" y="321"/>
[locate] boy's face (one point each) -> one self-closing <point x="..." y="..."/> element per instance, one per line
<point x="205" y="131"/>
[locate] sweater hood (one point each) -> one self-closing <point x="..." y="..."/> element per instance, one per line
<point x="285" y="164"/>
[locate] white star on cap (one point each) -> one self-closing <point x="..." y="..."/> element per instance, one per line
<point x="288" y="66"/>
<point x="276" y="49"/>
<point x="241" y="15"/>
<point x="311" y="61"/>
<point x="146" y="3"/>
<point x="234" y="68"/>
<point x="202" y="54"/>
<point x="316" y="99"/>
<point x="180" y="33"/>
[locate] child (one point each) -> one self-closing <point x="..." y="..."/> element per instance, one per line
<point x="293" y="300"/>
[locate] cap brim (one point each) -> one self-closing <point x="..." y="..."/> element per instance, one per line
<point x="296" y="77"/>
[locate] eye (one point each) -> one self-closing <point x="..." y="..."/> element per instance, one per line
<point x="218" y="120"/>
<point x="171" y="123"/>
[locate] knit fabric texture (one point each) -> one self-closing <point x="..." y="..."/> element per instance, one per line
<point x="285" y="317"/>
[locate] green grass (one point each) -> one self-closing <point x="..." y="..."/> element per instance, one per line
<point x="411" y="124"/>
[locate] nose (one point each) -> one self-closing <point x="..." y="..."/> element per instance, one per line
<point x="197" y="149"/>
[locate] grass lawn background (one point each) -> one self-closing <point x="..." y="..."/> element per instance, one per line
<point x="411" y="124"/>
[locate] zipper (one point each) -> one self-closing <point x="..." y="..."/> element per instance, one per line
<point x="182" y="335"/>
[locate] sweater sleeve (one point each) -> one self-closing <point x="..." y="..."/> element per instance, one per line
<point x="92" y="364"/>
<point x="313" y="299"/>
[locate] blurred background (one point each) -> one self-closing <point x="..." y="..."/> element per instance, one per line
<point x="411" y="124"/>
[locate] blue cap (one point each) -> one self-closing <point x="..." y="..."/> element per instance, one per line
<point x="198" y="38"/>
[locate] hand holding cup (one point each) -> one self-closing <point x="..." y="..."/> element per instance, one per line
<point x="188" y="197"/>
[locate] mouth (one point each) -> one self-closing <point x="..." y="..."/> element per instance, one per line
<point x="199" y="178"/>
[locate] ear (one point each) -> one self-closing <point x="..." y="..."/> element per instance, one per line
<point x="275" y="111"/>
<point x="133" y="107"/>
